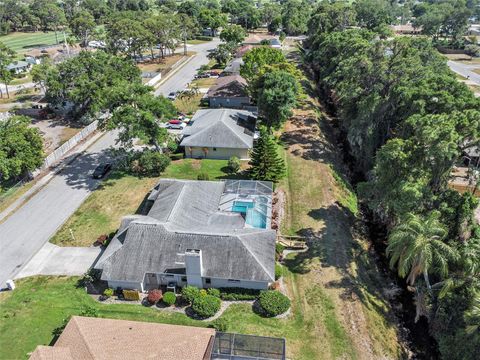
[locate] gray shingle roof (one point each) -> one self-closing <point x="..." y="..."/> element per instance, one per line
<point x="148" y="246"/>
<point x="222" y="128"/>
<point x="185" y="215"/>
<point x="229" y="87"/>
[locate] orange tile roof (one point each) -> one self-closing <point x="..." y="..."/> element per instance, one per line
<point x="96" y="338"/>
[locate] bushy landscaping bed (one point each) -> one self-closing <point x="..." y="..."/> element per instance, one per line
<point x="206" y="306"/>
<point x="238" y="294"/>
<point x="273" y="303"/>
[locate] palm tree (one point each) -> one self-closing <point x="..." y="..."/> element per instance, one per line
<point x="472" y="317"/>
<point x="417" y="247"/>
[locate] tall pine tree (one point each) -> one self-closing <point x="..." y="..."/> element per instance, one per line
<point x="266" y="164"/>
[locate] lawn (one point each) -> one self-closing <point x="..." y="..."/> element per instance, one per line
<point x="197" y="41"/>
<point x="22" y="42"/>
<point x="122" y="195"/>
<point x="188" y="105"/>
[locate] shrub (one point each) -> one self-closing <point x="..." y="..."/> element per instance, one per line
<point x="204" y="38"/>
<point x="273" y="302"/>
<point x="234" y="164"/>
<point x="278" y="271"/>
<point x="154" y="296"/>
<point x="203" y="176"/>
<point x="169" y="298"/>
<point x="238" y="294"/>
<point x="214" y="292"/>
<point x="220" y="324"/>
<point x="89" y="311"/>
<point x="206" y="306"/>
<point x="172" y="145"/>
<point x="190" y="293"/>
<point x="178" y="156"/>
<point x="473" y="50"/>
<point x="150" y="163"/>
<point x="108" y="292"/>
<point x="203" y="292"/>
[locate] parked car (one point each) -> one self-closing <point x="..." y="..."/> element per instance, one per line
<point x="175" y="121"/>
<point x="179" y="126"/>
<point x="172" y="96"/>
<point x="101" y="170"/>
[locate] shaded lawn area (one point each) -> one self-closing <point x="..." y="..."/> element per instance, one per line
<point x="188" y="105"/>
<point x="22" y="42"/>
<point x="122" y="194"/>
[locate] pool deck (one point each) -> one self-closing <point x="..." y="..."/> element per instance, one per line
<point x="228" y="199"/>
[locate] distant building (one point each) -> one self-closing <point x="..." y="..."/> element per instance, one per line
<point x="19" y="67"/>
<point x="229" y="92"/>
<point x="407" y="29"/>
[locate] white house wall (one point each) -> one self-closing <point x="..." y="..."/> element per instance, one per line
<point x="218" y="154"/>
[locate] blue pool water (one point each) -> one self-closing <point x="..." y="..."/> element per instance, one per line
<point x="256" y="219"/>
<point x="253" y="216"/>
<point x="242" y="206"/>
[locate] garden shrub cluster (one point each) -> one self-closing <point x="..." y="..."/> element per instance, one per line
<point x="206" y="306"/>
<point x="154" y="296"/>
<point x="190" y="293"/>
<point x="169" y="298"/>
<point x="273" y="302"/>
<point x="150" y="163"/>
<point x="238" y="294"/>
<point x="108" y="292"/>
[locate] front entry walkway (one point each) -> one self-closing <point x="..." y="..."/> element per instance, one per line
<point x="56" y="260"/>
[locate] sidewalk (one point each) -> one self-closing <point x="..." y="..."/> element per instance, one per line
<point x="43" y="180"/>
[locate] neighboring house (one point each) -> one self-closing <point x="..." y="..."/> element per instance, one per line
<point x="256" y="39"/>
<point x="219" y="134"/>
<point x="229" y="92"/>
<point x="407" y="29"/>
<point x="19" y="67"/>
<point x="96" y="338"/>
<point x="90" y="338"/>
<point x="242" y="50"/>
<point x="32" y="60"/>
<point x="233" y="68"/>
<point x="200" y="233"/>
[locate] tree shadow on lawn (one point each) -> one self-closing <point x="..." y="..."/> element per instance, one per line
<point x="335" y="245"/>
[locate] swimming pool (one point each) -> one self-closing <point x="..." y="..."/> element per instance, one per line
<point x="242" y="206"/>
<point x="256" y="219"/>
<point x="253" y="216"/>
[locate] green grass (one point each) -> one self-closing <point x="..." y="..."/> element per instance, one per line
<point x="347" y="196"/>
<point x="22" y="42"/>
<point x="196" y="42"/>
<point x="121" y="195"/>
<point x="40" y="304"/>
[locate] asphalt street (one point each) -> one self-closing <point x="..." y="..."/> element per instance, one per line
<point x="25" y="231"/>
<point x="465" y="70"/>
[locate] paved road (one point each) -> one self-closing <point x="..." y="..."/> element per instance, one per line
<point x="465" y="70"/>
<point x="185" y="75"/>
<point x="24" y="233"/>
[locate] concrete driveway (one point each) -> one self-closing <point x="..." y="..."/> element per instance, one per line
<point x="56" y="260"/>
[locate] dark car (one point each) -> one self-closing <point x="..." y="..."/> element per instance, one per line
<point x="101" y="170"/>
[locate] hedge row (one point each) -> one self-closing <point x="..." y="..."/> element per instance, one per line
<point x="238" y="294"/>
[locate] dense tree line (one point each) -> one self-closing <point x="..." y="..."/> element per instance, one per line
<point x="407" y="120"/>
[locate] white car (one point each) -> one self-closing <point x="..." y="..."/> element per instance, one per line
<point x="172" y="96"/>
<point x="179" y="126"/>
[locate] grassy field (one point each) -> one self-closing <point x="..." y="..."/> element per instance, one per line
<point x="22" y="42"/>
<point x="122" y="195"/>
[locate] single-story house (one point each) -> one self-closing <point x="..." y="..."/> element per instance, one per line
<point x="229" y="92"/>
<point x="89" y="338"/>
<point x="406" y="29"/>
<point x="200" y="233"/>
<point x="97" y="338"/>
<point x="233" y="68"/>
<point x="242" y="50"/>
<point x="18" y="67"/>
<point x="219" y="134"/>
<point x="256" y="39"/>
